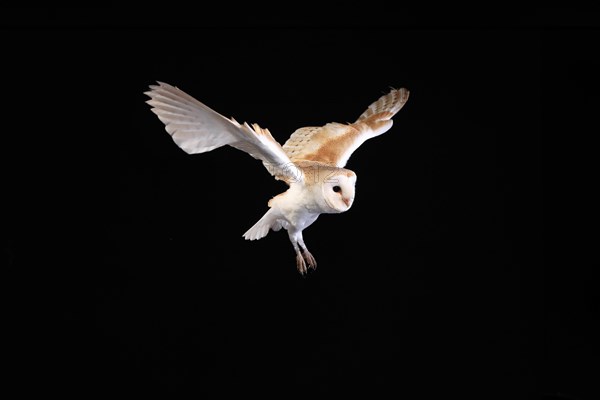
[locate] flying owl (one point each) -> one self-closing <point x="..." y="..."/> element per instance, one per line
<point x="311" y="162"/>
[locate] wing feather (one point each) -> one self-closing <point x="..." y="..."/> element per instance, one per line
<point x="334" y="143"/>
<point x="196" y="128"/>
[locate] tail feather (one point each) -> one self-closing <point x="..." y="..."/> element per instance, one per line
<point x="260" y="229"/>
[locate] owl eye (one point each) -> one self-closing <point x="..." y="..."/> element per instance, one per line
<point x="337" y="189"/>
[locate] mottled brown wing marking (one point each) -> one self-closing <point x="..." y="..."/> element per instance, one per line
<point x="332" y="147"/>
<point x="392" y="103"/>
<point x="297" y="141"/>
<point x="324" y="144"/>
<point x="334" y="143"/>
<point x="377" y="122"/>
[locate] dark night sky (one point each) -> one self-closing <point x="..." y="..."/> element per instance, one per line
<point x="128" y="255"/>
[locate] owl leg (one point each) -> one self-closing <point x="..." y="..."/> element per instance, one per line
<point x="300" y="263"/>
<point x="303" y="256"/>
<point x="310" y="260"/>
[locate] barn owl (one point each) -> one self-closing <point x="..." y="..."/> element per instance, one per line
<point x="311" y="162"/>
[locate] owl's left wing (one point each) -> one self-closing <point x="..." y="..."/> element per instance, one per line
<point x="334" y="142"/>
<point x="196" y="128"/>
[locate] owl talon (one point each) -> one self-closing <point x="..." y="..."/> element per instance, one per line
<point x="300" y="264"/>
<point x="312" y="263"/>
<point x="303" y="257"/>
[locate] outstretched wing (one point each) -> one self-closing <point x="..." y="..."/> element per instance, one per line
<point x="196" y="128"/>
<point x="334" y="143"/>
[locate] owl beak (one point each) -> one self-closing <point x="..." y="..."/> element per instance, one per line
<point x="347" y="201"/>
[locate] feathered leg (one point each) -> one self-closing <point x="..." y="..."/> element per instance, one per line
<point x="303" y="256"/>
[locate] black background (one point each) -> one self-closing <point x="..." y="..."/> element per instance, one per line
<point x="127" y="271"/>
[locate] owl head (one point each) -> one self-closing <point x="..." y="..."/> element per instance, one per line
<point x="338" y="189"/>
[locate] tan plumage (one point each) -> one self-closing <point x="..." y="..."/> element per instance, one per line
<point x="311" y="161"/>
<point x="334" y="143"/>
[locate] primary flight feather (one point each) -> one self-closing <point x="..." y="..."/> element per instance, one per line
<point x="312" y="161"/>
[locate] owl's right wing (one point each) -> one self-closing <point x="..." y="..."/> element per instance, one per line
<point x="334" y="143"/>
<point x="196" y="128"/>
